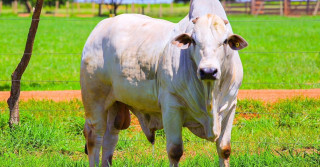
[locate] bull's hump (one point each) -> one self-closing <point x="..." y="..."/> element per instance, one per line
<point x="203" y="7"/>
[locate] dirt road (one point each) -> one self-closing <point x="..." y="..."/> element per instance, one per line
<point x="269" y="95"/>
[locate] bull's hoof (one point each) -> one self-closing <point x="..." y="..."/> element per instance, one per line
<point x="151" y="138"/>
<point x="85" y="149"/>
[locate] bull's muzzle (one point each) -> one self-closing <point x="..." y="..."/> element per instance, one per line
<point x="208" y="73"/>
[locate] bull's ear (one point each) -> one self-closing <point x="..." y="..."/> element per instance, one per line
<point x="183" y="41"/>
<point x="236" y="42"/>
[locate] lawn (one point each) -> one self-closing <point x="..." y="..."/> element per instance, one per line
<point x="285" y="133"/>
<point x="283" y="52"/>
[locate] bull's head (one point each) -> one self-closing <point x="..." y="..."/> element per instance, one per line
<point x="212" y="44"/>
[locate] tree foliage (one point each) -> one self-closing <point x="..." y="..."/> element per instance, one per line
<point x="33" y="2"/>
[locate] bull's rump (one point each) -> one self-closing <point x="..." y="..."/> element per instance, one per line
<point x="123" y="52"/>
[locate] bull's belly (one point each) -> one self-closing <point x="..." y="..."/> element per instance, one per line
<point x="140" y="95"/>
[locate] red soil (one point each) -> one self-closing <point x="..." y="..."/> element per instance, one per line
<point x="269" y="95"/>
<point x="264" y="95"/>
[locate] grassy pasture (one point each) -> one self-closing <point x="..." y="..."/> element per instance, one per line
<point x="65" y="37"/>
<point x="86" y="9"/>
<point x="51" y="135"/>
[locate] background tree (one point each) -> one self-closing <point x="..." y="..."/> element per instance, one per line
<point x="114" y="6"/>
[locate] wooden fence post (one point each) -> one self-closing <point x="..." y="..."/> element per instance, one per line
<point x="316" y="8"/>
<point x="93" y="5"/>
<point x="13" y="101"/>
<point x="253" y="7"/>
<point x="148" y="8"/>
<point x="286" y="7"/>
<point x="67" y="7"/>
<point x="160" y="10"/>
<point x="281" y="8"/>
<point x="57" y="7"/>
<point x="246" y="7"/>
<point x="132" y="7"/>
<point x="0" y="7"/>
<point x="307" y="8"/>
<point x="15" y="6"/>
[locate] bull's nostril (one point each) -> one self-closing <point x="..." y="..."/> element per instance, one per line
<point x="202" y="73"/>
<point x="214" y="71"/>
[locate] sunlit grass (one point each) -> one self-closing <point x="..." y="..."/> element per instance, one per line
<point x="285" y="133"/>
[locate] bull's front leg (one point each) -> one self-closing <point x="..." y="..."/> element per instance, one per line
<point x="172" y="124"/>
<point x="223" y="142"/>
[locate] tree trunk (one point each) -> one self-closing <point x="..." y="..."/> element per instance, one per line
<point x="100" y="9"/>
<point x="13" y="101"/>
<point x="115" y="7"/>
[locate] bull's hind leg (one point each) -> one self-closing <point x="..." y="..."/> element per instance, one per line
<point x="96" y="103"/>
<point x="118" y="119"/>
<point x="93" y="131"/>
<point x="223" y="142"/>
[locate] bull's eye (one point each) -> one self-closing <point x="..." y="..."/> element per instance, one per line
<point x="225" y="41"/>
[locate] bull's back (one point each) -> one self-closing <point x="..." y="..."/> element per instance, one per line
<point x="123" y="53"/>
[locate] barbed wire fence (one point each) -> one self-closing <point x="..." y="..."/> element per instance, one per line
<point x="313" y="146"/>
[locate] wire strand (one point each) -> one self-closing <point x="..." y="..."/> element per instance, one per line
<point x="246" y="83"/>
<point x="253" y="52"/>
<point x="82" y="110"/>
<point x="99" y="19"/>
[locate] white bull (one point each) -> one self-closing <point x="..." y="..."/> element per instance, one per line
<point x="167" y="78"/>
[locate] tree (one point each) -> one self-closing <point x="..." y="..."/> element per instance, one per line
<point x="28" y="6"/>
<point x="115" y="4"/>
<point x="13" y="101"/>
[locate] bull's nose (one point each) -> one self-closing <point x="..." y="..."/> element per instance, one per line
<point x="208" y="73"/>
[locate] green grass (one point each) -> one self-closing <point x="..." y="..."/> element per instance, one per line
<point x="86" y="9"/>
<point x="50" y="134"/>
<point x="57" y="35"/>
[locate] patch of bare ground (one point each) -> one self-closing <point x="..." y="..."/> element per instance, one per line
<point x="268" y="96"/>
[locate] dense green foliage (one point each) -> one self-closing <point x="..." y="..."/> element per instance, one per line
<point x="283" y="134"/>
<point x="59" y="43"/>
